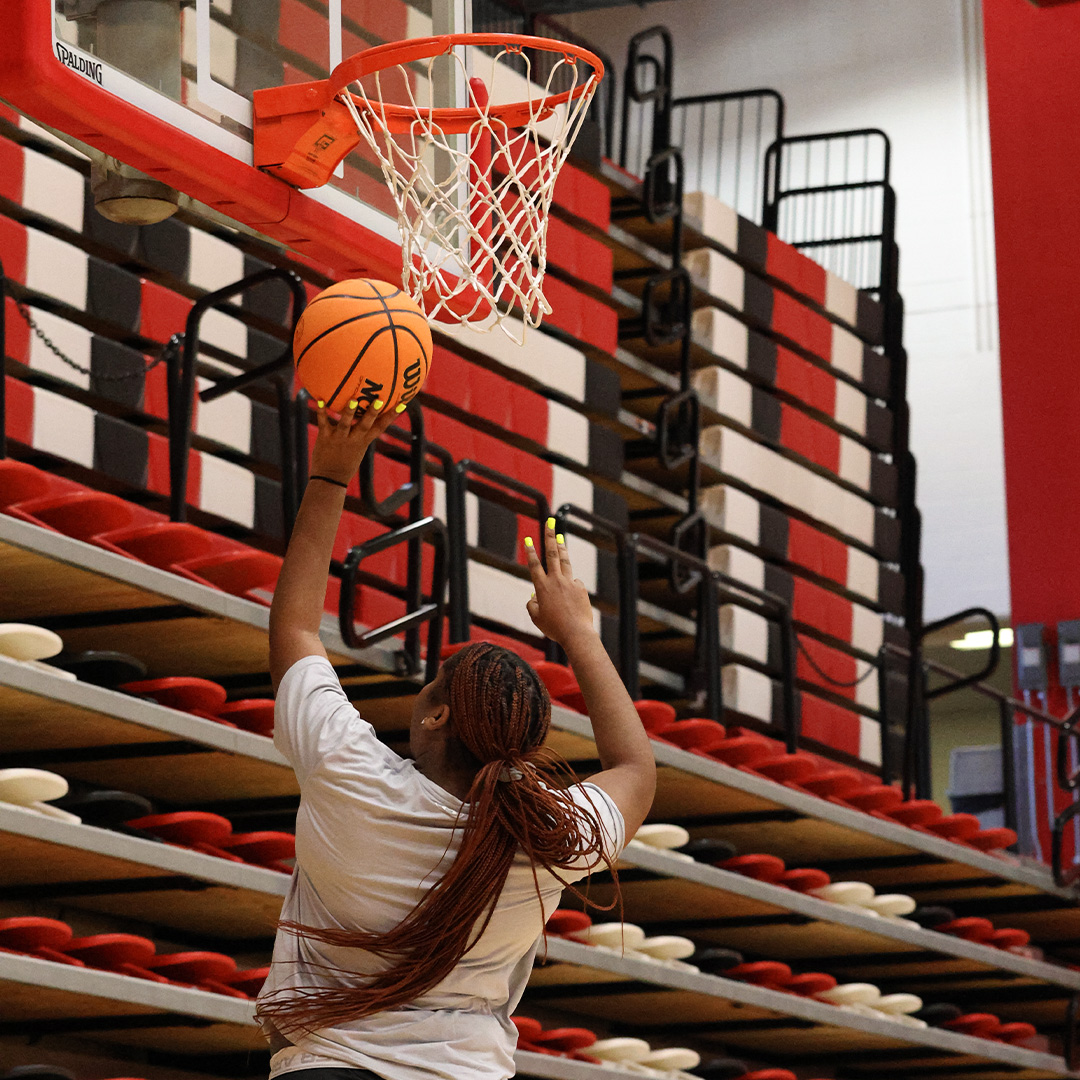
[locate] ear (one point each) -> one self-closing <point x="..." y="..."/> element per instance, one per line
<point x="437" y="718"/>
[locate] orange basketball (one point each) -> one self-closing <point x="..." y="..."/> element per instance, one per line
<point x="361" y="340"/>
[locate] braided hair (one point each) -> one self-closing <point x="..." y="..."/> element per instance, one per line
<point x="499" y="714"/>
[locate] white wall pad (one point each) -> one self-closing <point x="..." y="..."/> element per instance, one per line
<point x="712" y="218"/>
<point x="225" y="332"/>
<point x="846" y="354"/>
<point x="494" y="594"/>
<point x="732" y="511"/>
<point x="866" y="693"/>
<point x="744" y="632"/>
<point x="227" y="490"/>
<point x="226" y="420"/>
<point x="734" y="454"/>
<point x="869" y="740"/>
<point x="862" y="573"/>
<point x="72" y="340"/>
<point x="63" y="427"/>
<point x="854" y="463"/>
<point x="747" y="691"/>
<point x="56" y="268"/>
<point x="42" y="134"/>
<point x="841" y="298"/>
<point x="214" y="263"/>
<point x="568" y="433"/>
<point x="739" y="564"/>
<point x="867" y="629"/>
<point x="570" y="487"/>
<point x="725" y="393"/>
<point x="850" y="407"/>
<point x="721" y="334"/>
<point x="52" y="189"/>
<point x="543" y="358"/>
<point x="717" y="275"/>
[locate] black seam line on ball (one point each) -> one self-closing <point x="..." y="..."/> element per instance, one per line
<point x="360" y="356"/>
<point x="352" y="319"/>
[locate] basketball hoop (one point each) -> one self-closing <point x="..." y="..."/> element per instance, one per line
<point x="472" y="186"/>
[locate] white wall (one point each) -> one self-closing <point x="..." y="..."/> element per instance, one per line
<point x="913" y="68"/>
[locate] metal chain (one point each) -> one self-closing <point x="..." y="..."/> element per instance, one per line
<point x="872" y="669"/>
<point x="49" y="344"/>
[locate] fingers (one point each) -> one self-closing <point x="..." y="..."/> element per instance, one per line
<point x="564" y="557"/>
<point x="551" y="547"/>
<point x="533" y="608"/>
<point x="536" y="567"/>
<point x="368" y="418"/>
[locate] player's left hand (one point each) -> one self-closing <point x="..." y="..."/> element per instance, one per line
<point x="341" y="444"/>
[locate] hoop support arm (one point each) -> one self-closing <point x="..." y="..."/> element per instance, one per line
<point x="301" y="133"/>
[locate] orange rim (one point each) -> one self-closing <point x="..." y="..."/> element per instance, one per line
<point x="454" y="121"/>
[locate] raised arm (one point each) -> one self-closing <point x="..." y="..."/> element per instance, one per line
<point x="297" y="610"/>
<point x="561" y="611"/>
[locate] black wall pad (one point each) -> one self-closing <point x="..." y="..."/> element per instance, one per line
<point x="603" y="390"/>
<point x="124" y="239"/>
<point x="121" y="450"/>
<point x="265" y="434"/>
<point x="270" y="300"/>
<point x="269" y="519"/>
<point x="113" y="294"/>
<point x="605" y="452"/>
<point x="117" y="373"/>
<point x="166" y="246"/>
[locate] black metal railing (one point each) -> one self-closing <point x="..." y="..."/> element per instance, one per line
<point x="723" y="138"/>
<point x="829" y="195"/>
<point x="182" y="358"/>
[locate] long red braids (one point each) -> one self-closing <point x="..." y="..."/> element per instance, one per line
<point x="500" y="713"/>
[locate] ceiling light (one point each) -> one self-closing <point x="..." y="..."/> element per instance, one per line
<point x="983" y="639"/>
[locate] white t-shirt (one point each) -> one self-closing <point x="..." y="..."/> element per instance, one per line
<point x="372" y="834"/>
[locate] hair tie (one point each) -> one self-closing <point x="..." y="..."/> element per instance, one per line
<point x="510" y="772"/>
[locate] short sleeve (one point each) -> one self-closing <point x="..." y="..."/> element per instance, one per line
<point x="313" y="717"/>
<point x="598" y="805"/>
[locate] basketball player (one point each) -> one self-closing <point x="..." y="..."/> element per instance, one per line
<point x="422" y="886"/>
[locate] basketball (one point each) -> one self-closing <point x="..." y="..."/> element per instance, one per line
<point x="362" y="340"/>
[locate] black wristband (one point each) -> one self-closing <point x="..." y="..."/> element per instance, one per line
<point x="329" y="480"/>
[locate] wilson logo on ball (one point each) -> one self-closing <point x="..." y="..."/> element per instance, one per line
<point x="360" y="340"/>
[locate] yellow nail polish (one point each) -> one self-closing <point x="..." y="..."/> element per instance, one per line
<point x="353" y="404"/>
<point x="551" y="523"/>
<point x="559" y="539"/>
<point x="377" y="404"/>
<point x="533" y="597"/>
<point x="321" y="404"/>
<point x="401" y="408"/>
<point x="528" y="541"/>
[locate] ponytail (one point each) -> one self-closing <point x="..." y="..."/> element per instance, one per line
<point x="500" y="713"/>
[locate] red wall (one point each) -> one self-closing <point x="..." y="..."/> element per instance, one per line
<point x="1033" y="71"/>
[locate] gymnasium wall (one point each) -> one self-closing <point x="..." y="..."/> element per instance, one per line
<point x="914" y="69"/>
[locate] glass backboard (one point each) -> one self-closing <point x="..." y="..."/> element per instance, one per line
<point x="166" y="87"/>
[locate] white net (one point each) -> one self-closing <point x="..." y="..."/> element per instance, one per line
<point x="473" y="208"/>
